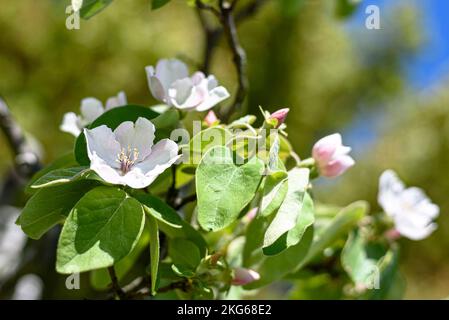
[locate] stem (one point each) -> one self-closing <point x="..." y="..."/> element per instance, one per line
<point x="114" y="283"/>
<point x="239" y="57"/>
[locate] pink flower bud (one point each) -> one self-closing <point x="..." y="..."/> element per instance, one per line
<point x="332" y="156"/>
<point x="280" y="116"/>
<point x="211" y="118"/>
<point x="244" y="276"/>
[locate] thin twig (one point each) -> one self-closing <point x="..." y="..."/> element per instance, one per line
<point x="239" y="58"/>
<point x="26" y="161"/>
<point x="203" y="6"/>
<point x="115" y="285"/>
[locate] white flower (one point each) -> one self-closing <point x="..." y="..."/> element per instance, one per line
<point x="91" y="109"/>
<point x="127" y="155"/>
<point x="411" y="210"/>
<point x="170" y="83"/>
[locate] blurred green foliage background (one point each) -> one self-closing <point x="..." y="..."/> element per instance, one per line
<point x="333" y="77"/>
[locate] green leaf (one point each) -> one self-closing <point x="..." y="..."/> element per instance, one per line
<point x="202" y="142"/>
<point x="292" y="237"/>
<point x="100" y="279"/>
<point x="60" y="176"/>
<point x="92" y="7"/>
<point x="155" y="208"/>
<point x="50" y="206"/>
<point x="355" y="260"/>
<point x="66" y="161"/>
<point x="156" y="4"/>
<point x="102" y="228"/>
<point x="169" y="220"/>
<point x="113" y="118"/>
<point x="184" y="253"/>
<point x="274" y="268"/>
<point x="223" y="188"/>
<point x="289" y="213"/>
<point x="154" y="252"/>
<point x="274" y="192"/>
<point x="342" y="224"/>
<point x="182" y="271"/>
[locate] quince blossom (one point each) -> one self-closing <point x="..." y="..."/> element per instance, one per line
<point x="127" y="156"/>
<point x="332" y="156"/>
<point x="411" y="210"/>
<point x="170" y="83"/>
<point x="91" y="109"/>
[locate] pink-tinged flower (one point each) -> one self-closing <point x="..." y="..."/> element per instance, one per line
<point x="91" y="109"/>
<point x="211" y="118"/>
<point x="244" y="276"/>
<point x="280" y="116"/>
<point x="127" y="155"/>
<point x="410" y="208"/>
<point x="331" y="156"/>
<point x="171" y="84"/>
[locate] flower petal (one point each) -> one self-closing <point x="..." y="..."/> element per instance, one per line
<point x="101" y="142"/>
<point x="390" y="189"/>
<point x="163" y="155"/>
<point x="170" y="70"/>
<point x="70" y="124"/>
<point x="117" y="101"/>
<point x="105" y="171"/>
<point x="184" y="95"/>
<point x="157" y="89"/>
<point x="136" y="136"/>
<point x="216" y="95"/>
<point x="91" y="109"/>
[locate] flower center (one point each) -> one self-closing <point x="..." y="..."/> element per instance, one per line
<point x="127" y="158"/>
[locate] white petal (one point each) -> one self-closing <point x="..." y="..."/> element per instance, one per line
<point x="105" y="171"/>
<point x="415" y="232"/>
<point x="163" y="155"/>
<point x="184" y="95"/>
<point x="101" y="142"/>
<point x="139" y="136"/>
<point x="70" y="124"/>
<point x="216" y="95"/>
<point x="156" y="87"/>
<point x="211" y="82"/>
<point x="91" y="109"/>
<point x="117" y="101"/>
<point x="390" y="190"/>
<point x="197" y="77"/>
<point x="170" y="70"/>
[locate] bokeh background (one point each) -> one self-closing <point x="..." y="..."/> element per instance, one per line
<point x="386" y="91"/>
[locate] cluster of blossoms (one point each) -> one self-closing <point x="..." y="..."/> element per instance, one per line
<point x="128" y="156"/>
